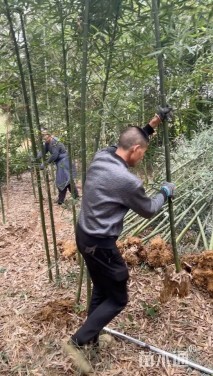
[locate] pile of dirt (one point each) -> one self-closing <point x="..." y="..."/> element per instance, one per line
<point x="131" y="249"/>
<point x="57" y="310"/>
<point x="201" y="269"/>
<point x="157" y="253"/>
<point x="67" y="248"/>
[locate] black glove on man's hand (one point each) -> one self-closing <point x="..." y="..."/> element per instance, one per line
<point x="168" y="188"/>
<point x="165" y="113"/>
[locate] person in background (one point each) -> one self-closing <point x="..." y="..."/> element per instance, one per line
<point x="60" y="157"/>
<point x="109" y="192"/>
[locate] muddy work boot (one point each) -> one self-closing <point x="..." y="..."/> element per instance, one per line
<point x="78" y="358"/>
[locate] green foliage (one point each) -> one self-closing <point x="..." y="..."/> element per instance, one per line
<point x="191" y="166"/>
<point x="151" y="311"/>
<point x="18" y="157"/>
<point x="132" y="91"/>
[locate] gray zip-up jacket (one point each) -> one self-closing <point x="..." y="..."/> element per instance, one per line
<point x="110" y="191"/>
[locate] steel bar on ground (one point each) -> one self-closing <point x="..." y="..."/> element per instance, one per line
<point x="176" y="358"/>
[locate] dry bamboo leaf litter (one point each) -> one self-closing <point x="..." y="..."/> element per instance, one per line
<point x="32" y="346"/>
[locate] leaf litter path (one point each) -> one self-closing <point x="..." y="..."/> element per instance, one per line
<point x="36" y="316"/>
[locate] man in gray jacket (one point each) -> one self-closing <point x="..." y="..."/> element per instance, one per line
<point x="110" y="191"/>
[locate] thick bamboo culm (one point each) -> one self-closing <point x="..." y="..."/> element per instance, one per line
<point x="155" y="12"/>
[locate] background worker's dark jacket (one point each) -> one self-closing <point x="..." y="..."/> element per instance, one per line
<point x="60" y="157"/>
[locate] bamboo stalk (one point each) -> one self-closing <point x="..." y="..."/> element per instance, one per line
<point x="8" y="160"/>
<point x="211" y="242"/>
<point x="53" y="178"/>
<point x="2" y="206"/>
<point x="29" y="119"/>
<point x="155" y="11"/>
<point x="160" y="228"/>
<point x="46" y="176"/>
<point x="67" y="117"/>
<point x="108" y="64"/>
<point x="144" y="223"/>
<point x="128" y="228"/>
<point x="31" y="167"/>
<point x="205" y="243"/>
<point x="83" y="109"/>
<point x="80" y="281"/>
<point x="183" y="214"/>
<point x="155" y="232"/>
<point x="149" y="222"/>
<point x="57" y="273"/>
<point x="197" y="241"/>
<point x="183" y="232"/>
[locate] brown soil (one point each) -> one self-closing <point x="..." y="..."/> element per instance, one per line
<point x="36" y="316"/>
<point x="201" y="269"/>
<point x="58" y="310"/>
<point x="67" y="248"/>
<point x="156" y="253"/>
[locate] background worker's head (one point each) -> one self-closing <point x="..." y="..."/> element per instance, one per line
<point x="46" y="136"/>
<point x="132" y="145"/>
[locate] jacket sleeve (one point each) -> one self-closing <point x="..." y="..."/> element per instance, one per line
<point x="144" y="205"/>
<point x="54" y="153"/>
<point x="148" y="129"/>
<point x="45" y="150"/>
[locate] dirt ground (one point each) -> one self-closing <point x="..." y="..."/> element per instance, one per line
<point x="37" y="316"/>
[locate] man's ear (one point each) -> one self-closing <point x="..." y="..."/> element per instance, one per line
<point x="136" y="147"/>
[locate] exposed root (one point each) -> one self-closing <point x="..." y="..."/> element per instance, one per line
<point x="130" y="249"/>
<point x="157" y="253"/>
<point x="202" y="269"/>
<point x="175" y="284"/>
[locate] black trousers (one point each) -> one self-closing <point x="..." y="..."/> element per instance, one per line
<point x="62" y="194"/>
<point x="109" y="275"/>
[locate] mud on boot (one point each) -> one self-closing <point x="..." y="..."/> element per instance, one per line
<point x="77" y="357"/>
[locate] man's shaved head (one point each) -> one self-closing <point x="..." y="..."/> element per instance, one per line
<point x="132" y="136"/>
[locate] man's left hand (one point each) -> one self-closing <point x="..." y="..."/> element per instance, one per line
<point x="165" y="113"/>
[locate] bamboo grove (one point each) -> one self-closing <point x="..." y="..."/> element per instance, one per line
<point x="86" y="69"/>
